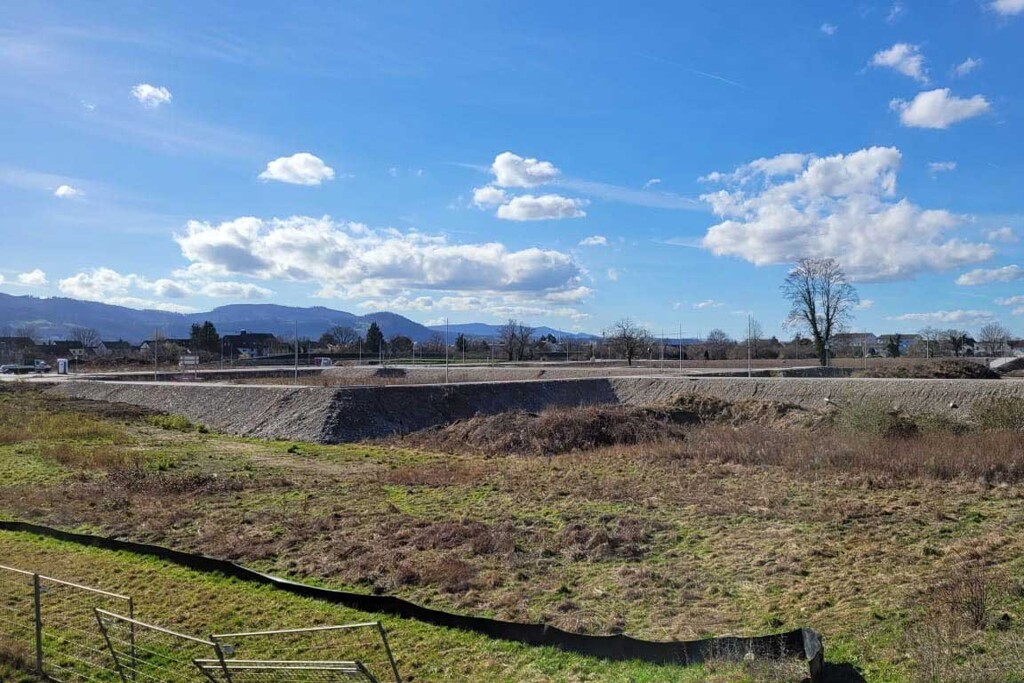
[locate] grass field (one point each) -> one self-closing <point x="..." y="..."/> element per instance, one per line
<point x="903" y="546"/>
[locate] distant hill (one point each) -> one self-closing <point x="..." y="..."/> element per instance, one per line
<point x="483" y="330"/>
<point x="54" y="318"/>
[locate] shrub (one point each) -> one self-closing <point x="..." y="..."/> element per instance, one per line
<point x="999" y="413"/>
<point x="876" y="418"/>
<point x="178" y="423"/>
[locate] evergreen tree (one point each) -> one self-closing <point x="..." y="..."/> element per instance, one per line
<point x="374" y="338"/>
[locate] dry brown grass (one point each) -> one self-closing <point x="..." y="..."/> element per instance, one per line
<point x="942" y="369"/>
<point x="556" y="431"/>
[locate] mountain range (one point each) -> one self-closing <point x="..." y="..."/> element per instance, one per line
<point x="55" y="317"/>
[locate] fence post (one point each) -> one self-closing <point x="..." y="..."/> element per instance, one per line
<point x="37" y="599"/>
<point x="131" y="634"/>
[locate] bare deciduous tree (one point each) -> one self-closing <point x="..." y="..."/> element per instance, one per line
<point x="86" y="336"/>
<point x="932" y="338"/>
<point x="957" y="341"/>
<point x="821" y="301"/>
<point x="515" y="336"/>
<point x="628" y="339"/>
<point x="343" y="336"/>
<point x="993" y="337"/>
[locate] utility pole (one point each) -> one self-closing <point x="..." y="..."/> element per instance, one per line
<point x="446" y="350"/>
<point x="154" y="355"/>
<point x="663" y="347"/>
<point x="680" y="346"/>
<point x="749" y="369"/>
<point x="296" y="351"/>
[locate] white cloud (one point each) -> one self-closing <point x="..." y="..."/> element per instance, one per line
<point x="613" y="274"/>
<point x="896" y="12"/>
<point x="1003" y="234"/>
<point x="67" y="192"/>
<point x="651" y="183"/>
<point x="1011" y="301"/>
<point x="829" y="29"/>
<point x="842" y="206"/>
<point x="2" y="278"/>
<point x="488" y="196"/>
<point x="936" y="167"/>
<point x="528" y="207"/>
<point x="967" y="66"/>
<point x="938" y="109"/>
<point x="1007" y="8"/>
<point x="302" y="168"/>
<point x="968" y="318"/>
<point x="512" y="170"/>
<point x="904" y="58"/>
<point x="109" y="286"/>
<point x="33" y="278"/>
<point x="151" y="96"/>
<point x="353" y="260"/>
<point x="984" y="276"/>
<point x="864" y="304"/>
<point x="235" y="290"/>
<point x="708" y="303"/>
<point x="594" y="241"/>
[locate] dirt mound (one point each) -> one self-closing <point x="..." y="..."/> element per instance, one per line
<point x="554" y="431"/>
<point x="702" y="409"/>
<point x="943" y="369"/>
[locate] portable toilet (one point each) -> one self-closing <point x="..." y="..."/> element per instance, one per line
<point x="62" y="366"/>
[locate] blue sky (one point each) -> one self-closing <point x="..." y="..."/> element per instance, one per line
<point x="564" y="163"/>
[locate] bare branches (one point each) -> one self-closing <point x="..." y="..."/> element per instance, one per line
<point x="821" y="300"/>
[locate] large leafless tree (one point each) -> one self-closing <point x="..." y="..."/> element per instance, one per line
<point x="993" y="338"/>
<point x="515" y="336"/>
<point x="821" y="301"/>
<point x="628" y="339"/>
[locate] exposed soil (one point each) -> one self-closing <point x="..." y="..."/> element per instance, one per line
<point x="943" y="369"/>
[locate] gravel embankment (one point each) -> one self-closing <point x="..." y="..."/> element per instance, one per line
<point x="333" y="415"/>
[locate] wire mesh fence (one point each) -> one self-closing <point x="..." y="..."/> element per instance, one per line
<point x="367" y="644"/>
<point x="72" y="647"/>
<point x="254" y="671"/>
<point x="70" y="633"/>
<point x="17" y="614"/>
<point x="143" y="653"/>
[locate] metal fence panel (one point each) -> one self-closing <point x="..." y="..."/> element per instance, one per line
<point x="366" y="643"/>
<point x="253" y="671"/>
<point x="72" y="647"/>
<point x="17" y="614"/>
<point x="143" y="653"/>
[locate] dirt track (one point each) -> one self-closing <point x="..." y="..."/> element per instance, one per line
<point x="334" y="415"/>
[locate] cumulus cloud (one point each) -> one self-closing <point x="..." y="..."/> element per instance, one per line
<point x="1003" y="234"/>
<point x="512" y="170"/>
<point x="528" y="207"/>
<point x="109" y="286"/>
<point x="904" y="58"/>
<point x="842" y="206"/>
<point x="488" y="196"/>
<point x="967" y="66"/>
<point x="829" y="29"/>
<point x="353" y="260"/>
<point x="1007" y="8"/>
<point x="984" y="276"/>
<point x="938" y="108"/>
<point x="967" y="318"/>
<point x="33" y="278"/>
<point x="864" y="304"/>
<point x="302" y="168"/>
<point x="67" y="192"/>
<point x="151" y="96"/>
<point x="937" y="167"/>
<point x="594" y="241"/>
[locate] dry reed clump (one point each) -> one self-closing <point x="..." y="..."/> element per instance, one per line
<point x="552" y="432"/>
<point x="999" y="413"/>
<point x="701" y="409"/>
<point x="943" y="369"/>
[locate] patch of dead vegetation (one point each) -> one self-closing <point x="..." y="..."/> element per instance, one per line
<point x="942" y="369"/>
<point x="553" y="432"/>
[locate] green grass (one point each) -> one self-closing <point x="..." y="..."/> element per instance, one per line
<point x="734" y="530"/>
<point x="200" y="604"/>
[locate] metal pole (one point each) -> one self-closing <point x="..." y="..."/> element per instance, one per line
<point x="446" y="350"/>
<point x="749" y="371"/>
<point x="154" y="353"/>
<point x="296" y="351"/>
<point x="680" y="346"/>
<point x="37" y="591"/>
